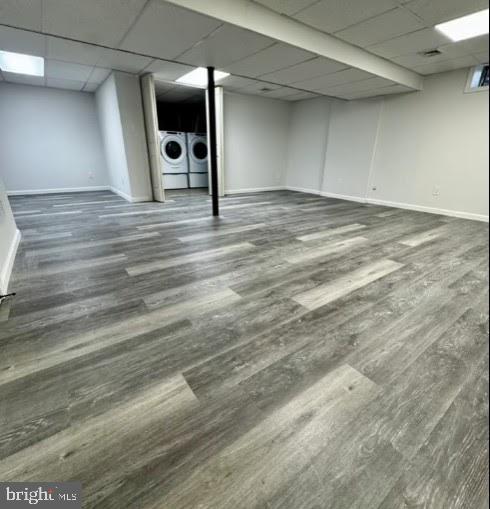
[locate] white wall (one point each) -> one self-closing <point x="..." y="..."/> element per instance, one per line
<point x="120" y="111"/>
<point x="9" y="240"/>
<point x="256" y="132"/>
<point x="351" y="141"/>
<point x="50" y="140"/>
<point x="426" y="150"/>
<point x="308" y="143"/>
<point x="435" y="138"/>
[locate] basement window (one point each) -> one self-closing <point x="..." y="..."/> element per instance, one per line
<point x="478" y="79"/>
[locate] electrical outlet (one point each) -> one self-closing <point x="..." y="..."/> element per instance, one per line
<point x="91" y="175"/>
<point x="436" y="191"/>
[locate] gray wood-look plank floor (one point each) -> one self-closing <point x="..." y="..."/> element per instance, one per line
<point x="298" y="352"/>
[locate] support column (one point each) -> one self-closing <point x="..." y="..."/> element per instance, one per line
<point x="212" y="137"/>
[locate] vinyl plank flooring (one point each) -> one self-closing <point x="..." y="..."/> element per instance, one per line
<point x="321" y="251"/>
<point x="296" y="352"/>
<point x="210" y="254"/>
<point x="324" y="294"/>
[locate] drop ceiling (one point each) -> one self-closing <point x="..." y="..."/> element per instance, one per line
<point x="83" y="41"/>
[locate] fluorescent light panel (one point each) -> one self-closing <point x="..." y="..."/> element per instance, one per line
<point x="199" y="77"/>
<point x="466" y="27"/>
<point x="19" y="63"/>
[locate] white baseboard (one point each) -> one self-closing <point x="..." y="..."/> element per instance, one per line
<point x="429" y="210"/>
<point x="346" y="197"/>
<point x="131" y="199"/>
<point x="397" y="205"/>
<point x="254" y="190"/>
<point x="58" y="190"/>
<point x="302" y="190"/>
<point x="6" y="271"/>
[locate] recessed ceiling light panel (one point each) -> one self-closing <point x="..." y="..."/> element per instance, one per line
<point x="199" y="77"/>
<point x="466" y="27"/>
<point x="19" y="63"/>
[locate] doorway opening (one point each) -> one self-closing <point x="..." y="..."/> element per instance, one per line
<point x="183" y="141"/>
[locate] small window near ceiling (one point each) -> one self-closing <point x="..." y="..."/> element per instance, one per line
<point x="478" y="79"/>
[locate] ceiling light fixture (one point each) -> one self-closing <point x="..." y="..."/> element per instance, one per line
<point x="19" y="63"/>
<point x="466" y="27"/>
<point x="199" y="77"/>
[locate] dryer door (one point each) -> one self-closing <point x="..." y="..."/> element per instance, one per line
<point x="199" y="150"/>
<point x="172" y="148"/>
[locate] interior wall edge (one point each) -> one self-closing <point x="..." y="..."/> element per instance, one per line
<point x="9" y="263"/>
<point x="129" y="198"/>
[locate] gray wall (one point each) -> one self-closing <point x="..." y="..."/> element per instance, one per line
<point x="426" y="150"/>
<point x="9" y="239"/>
<point x="120" y="111"/>
<point x="437" y="138"/>
<point x="308" y="143"/>
<point x="256" y="134"/>
<point x="50" y="140"/>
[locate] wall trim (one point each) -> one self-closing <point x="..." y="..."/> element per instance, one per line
<point x="130" y="199"/>
<point x="302" y="190"/>
<point x="358" y="199"/>
<point x="398" y="205"/>
<point x="9" y="263"/>
<point x="430" y="210"/>
<point x="254" y="190"/>
<point x="59" y="190"/>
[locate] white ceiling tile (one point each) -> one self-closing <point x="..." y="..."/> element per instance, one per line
<point x="70" y="51"/>
<point x="448" y="52"/>
<point x="306" y="70"/>
<point x="360" y="86"/>
<point x="22" y="13"/>
<point x="323" y="83"/>
<point x="288" y="7"/>
<point x="259" y="87"/>
<point x="98" y="75"/>
<point x="447" y="65"/>
<point x="381" y="28"/>
<point x="21" y="41"/>
<point x="421" y="40"/>
<point x="166" y="31"/>
<point x="301" y="96"/>
<point x="90" y="87"/>
<point x="122" y="61"/>
<point x="225" y="46"/>
<point x="100" y="22"/>
<point x="334" y="15"/>
<point x="67" y="71"/>
<point x="475" y="45"/>
<point x="23" y="79"/>
<point x="383" y="91"/>
<point x="167" y="71"/>
<point x="269" y="60"/>
<point x="281" y="93"/>
<point x="236" y="82"/>
<point x="438" y="11"/>
<point x="482" y="58"/>
<point x="65" y="84"/>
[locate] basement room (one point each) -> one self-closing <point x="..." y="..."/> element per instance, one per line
<point x="244" y="254"/>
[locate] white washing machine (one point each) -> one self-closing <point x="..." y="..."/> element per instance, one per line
<point x="175" y="166"/>
<point x="197" y="152"/>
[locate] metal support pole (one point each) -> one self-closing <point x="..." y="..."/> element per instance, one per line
<point x="213" y="151"/>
